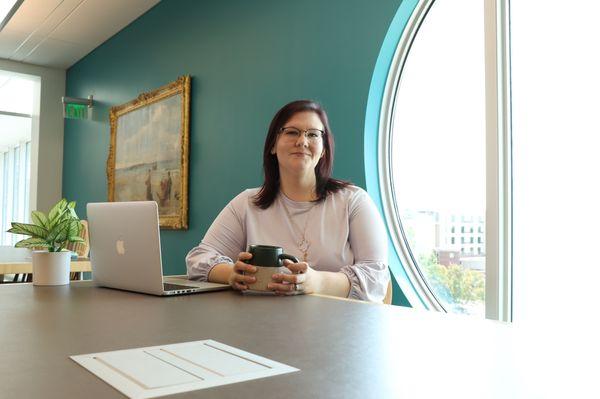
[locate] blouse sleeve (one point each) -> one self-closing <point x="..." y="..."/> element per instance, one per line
<point x="369" y="275"/>
<point x="222" y="243"/>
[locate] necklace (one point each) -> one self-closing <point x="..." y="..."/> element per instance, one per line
<point x="303" y="244"/>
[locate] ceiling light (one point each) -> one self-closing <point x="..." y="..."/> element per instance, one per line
<point x="8" y="8"/>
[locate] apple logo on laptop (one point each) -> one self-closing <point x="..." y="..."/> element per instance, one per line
<point x="120" y="247"/>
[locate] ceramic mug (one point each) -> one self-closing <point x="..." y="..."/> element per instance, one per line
<point x="268" y="261"/>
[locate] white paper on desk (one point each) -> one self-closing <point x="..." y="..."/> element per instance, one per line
<point x="169" y="369"/>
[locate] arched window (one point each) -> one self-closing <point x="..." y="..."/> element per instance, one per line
<point x="444" y="155"/>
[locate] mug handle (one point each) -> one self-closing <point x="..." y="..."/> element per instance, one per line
<point x="289" y="257"/>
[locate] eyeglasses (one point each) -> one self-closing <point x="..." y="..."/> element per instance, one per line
<point x="293" y="134"/>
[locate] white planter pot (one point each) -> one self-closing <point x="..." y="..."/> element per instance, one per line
<point x="51" y="268"/>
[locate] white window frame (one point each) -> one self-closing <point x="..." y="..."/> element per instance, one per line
<point x="498" y="235"/>
<point x="498" y="295"/>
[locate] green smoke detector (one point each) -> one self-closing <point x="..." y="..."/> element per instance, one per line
<point x="77" y="108"/>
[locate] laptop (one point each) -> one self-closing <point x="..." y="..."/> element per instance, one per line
<point x="125" y="250"/>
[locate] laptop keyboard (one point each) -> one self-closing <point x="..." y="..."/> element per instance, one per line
<point x="176" y="287"/>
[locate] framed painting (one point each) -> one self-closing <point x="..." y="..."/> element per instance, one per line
<point x="148" y="155"/>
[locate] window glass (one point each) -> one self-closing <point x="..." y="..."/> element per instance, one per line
<point x="16" y="108"/>
<point x="438" y="153"/>
<point x="16" y="93"/>
<point x="15" y="129"/>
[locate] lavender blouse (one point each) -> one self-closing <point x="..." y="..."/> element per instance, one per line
<point x="345" y="234"/>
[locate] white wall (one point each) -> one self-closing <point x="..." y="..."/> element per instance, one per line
<point x="46" y="135"/>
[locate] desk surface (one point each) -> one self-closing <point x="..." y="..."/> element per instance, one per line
<point x="344" y="349"/>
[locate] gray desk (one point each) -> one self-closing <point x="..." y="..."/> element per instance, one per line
<point x="344" y="349"/>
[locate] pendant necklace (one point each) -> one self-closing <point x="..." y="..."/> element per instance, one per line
<point x="303" y="244"/>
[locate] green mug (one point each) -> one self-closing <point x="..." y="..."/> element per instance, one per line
<point x="268" y="261"/>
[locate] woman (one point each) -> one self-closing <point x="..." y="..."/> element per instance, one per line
<point x="331" y="226"/>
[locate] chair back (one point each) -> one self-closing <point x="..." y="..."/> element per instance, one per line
<point x="387" y="300"/>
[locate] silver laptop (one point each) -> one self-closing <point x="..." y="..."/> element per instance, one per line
<point x="125" y="250"/>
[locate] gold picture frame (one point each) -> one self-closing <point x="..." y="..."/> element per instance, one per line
<point x="149" y="151"/>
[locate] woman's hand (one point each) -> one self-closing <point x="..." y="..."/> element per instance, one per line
<point x="242" y="273"/>
<point x="303" y="280"/>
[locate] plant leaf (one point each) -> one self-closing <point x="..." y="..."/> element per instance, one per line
<point x="73" y="230"/>
<point x="62" y="235"/>
<point x="28" y="229"/>
<point x="58" y="219"/>
<point x="56" y="230"/>
<point x="40" y="219"/>
<point x="71" y="208"/>
<point x="32" y="243"/>
<point x="57" y="209"/>
<point x="75" y="239"/>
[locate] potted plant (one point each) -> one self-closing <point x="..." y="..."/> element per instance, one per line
<point x="48" y="237"/>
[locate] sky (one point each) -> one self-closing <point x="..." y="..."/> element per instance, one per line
<point x="439" y="120"/>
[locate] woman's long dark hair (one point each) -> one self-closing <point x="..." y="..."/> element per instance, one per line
<point x="325" y="183"/>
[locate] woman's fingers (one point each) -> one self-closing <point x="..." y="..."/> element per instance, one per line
<point x="289" y="278"/>
<point x="298" y="268"/>
<point x="281" y="288"/>
<point x="240" y="278"/>
<point x="297" y="281"/>
<point x="240" y="281"/>
<point x="238" y="286"/>
<point x="244" y="256"/>
<point x="285" y="283"/>
<point x="241" y="268"/>
<point x="242" y="273"/>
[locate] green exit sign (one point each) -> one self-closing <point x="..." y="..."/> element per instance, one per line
<point x="75" y="111"/>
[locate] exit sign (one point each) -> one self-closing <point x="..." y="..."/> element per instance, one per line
<point x="75" y="111"/>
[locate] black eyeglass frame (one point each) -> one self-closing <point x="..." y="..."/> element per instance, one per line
<point x="303" y="132"/>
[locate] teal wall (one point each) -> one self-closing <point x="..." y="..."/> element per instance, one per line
<point x="246" y="59"/>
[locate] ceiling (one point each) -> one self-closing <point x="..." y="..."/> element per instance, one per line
<point x="58" y="33"/>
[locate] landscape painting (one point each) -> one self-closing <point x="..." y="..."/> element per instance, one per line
<point x="148" y="158"/>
